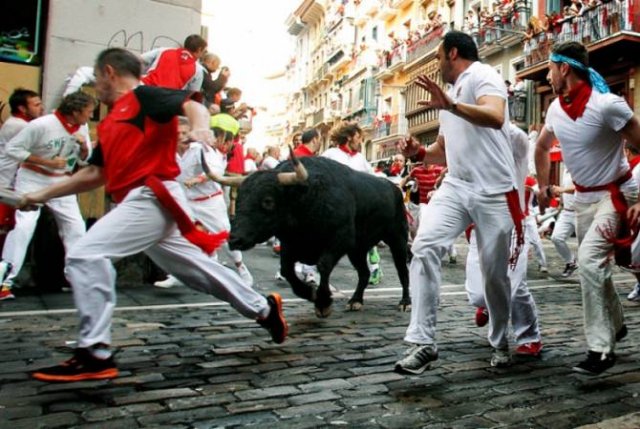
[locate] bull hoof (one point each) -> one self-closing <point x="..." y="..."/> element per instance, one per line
<point x="404" y="307"/>
<point x="323" y="312"/>
<point x="354" y="306"/>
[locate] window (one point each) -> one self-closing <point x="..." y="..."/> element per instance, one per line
<point x="374" y="33"/>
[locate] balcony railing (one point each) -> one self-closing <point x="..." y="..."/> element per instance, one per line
<point x="425" y="45"/>
<point x="501" y="29"/>
<point x="318" y="117"/>
<point x="594" y="24"/>
<point x="390" y="127"/>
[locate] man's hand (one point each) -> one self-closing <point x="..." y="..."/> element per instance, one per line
<point x="190" y="183"/>
<point x="439" y="99"/>
<point x="224" y="71"/>
<point x="58" y="163"/>
<point x="408" y="146"/>
<point x="633" y="214"/>
<point x="31" y="201"/>
<point x="543" y="198"/>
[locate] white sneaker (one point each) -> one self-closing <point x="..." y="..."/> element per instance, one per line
<point x="543" y="268"/>
<point x="245" y="274"/>
<point x="279" y="276"/>
<point x="635" y="293"/>
<point x="500" y="358"/>
<point x="168" y="283"/>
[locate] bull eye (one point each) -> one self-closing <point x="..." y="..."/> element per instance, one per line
<point x="268" y="203"/>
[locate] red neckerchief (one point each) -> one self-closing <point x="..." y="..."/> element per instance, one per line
<point x="22" y="116"/>
<point x="345" y="149"/>
<point x="635" y="161"/>
<point x="303" y="150"/>
<point x="71" y="128"/>
<point x="576" y="101"/>
<point x="395" y="170"/>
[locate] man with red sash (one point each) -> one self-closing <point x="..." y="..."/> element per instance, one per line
<point x="135" y="160"/>
<point x="480" y="188"/>
<point x="176" y="68"/>
<point x="590" y="123"/>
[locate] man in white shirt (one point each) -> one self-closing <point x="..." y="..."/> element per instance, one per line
<point x="590" y="124"/>
<point x="272" y="159"/>
<point x="566" y="223"/>
<point x="48" y="149"/>
<point x="479" y="188"/>
<point x="348" y="140"/>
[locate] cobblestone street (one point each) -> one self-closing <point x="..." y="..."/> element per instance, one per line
<point x="189" y="362"/>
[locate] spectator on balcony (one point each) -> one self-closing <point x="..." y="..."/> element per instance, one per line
<point x="496" y="17"/>
<point x="211" y="89"/>
<point x="486" y="23"/>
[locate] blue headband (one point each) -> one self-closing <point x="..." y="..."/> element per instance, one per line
<point x="597" y="81"/>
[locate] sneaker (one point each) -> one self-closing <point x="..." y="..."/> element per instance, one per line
<point x="275" y="322"/>
<point x="5" y="292"/>
<point x="376" y="277"/>
<point x="5" y="270"/>
<point x="622" y="333"/>
<point x="417" y="359"/>
<point x="533" y="349"/>
<point x="569" y="269"/>
<point x="482" y="316"/>
<point x="82" y="366"/>
<point x="279" y="276"/>
<point x="543" y="268"/>
<point x="168" y="283"/>
<point x="310" y="278"/>
<point x="595" y="363"/>
<point x="244" y="273"/>
<point x="500" y="358"/>
<point x="453" y="260"/>
<point x="635" y="293"/>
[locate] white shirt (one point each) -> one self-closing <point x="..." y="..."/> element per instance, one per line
<point x="269" y="163"/>
<point x="47" y="138"/>
<point x="568" y="200"/>
<point x="191" y="167"/>
<point x="592" y="150"/>
<point x="480" y="156"/>
<point x="8" y="166"/>
<point x="520" y="149"/>
<point x="356" y="162"/>
<point x="250" y="166"/>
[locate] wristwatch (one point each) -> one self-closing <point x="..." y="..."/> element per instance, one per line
<point x="453" y="107"/>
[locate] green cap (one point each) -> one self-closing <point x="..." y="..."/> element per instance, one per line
<point x="226" y="122"/>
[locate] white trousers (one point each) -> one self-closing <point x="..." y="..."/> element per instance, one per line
<point x="524" y="316"/>
<point x="140" y="224"/>
<point x="65" y="211"/>
<point x="533" y="238"/>
<point x="213" y="214"/>
<point x="603" y="316"/>
<point x="565" y="226"/>
<point x="452" y="209"/>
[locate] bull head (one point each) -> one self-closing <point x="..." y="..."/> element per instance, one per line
<point x="299" y="174"/>
<point x="223" y="180"/>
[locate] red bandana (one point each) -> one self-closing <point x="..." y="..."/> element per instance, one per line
<point x="575" y="102"/>
<point x="635" y="161"/>
<point x="345" y="149"/>
<point x="395" y="170"/>
<point x="22" y="116"/>
<point x="71" y="128"/>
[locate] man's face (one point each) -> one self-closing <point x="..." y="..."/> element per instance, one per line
<point x="212" y="65"/>
<point x="355" y="142"/>
<point x="556" y="78"/>
<point x="104" y="87"/>
<point x="297" y="139"/>
<point x="34" y="108"/>
<point x="444" y="64"/>
<point x="82" y="116"/>
<point x="183" y="134"/>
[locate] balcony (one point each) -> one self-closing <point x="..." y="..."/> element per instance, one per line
<point x="606" y="30"/>
<point x="518" y="107"/>
<point x="426" y="45"/>
<point x="388" y="128"/>
<point x="391" y="61"/>
<point x="321" y="72"/>
<point x="387" y="11"/>
<point x="319" y="117"/>
<point x="500" y="32"/>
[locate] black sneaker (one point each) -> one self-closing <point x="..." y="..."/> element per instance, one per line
<point x="622" y="333"/>
<point x="569" y="269"/>
<point x="417" y="359"/>
<point x="82" y="366"/>
<point x="275" y="322"/>
<point x="596" y="363"/>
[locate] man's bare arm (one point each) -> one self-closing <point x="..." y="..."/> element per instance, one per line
<point x="85" y="179"/>
<point x="543" y="147"/>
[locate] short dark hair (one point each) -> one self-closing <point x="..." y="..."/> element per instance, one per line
<point x="575" y="51"/>
<point x="218" y="132"/>
<point x="122" y="61"/>
<point x="309" y="135"/>
<point x="75" y="102"/>
<point x="193" y="42"/>
<point x="20" y="97"/>
<point x="463" y="42"/>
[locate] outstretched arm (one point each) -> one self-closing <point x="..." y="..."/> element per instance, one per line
<point x="85" y="179"/>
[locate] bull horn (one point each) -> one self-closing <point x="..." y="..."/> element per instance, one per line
<point x="223" y="180"/>
<point x="299" y="174"/>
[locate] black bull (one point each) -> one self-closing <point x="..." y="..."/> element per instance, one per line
<point x="331" y="212"/>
